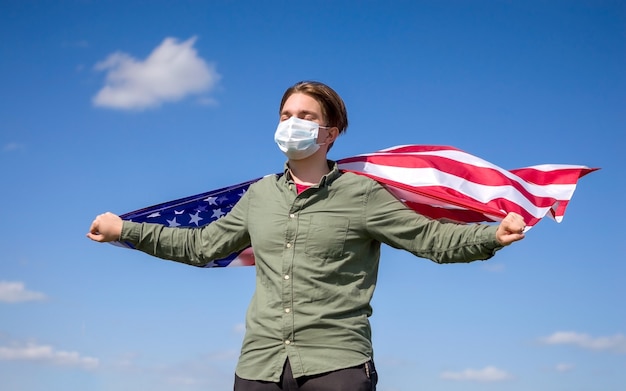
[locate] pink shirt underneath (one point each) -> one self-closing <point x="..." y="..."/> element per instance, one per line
<point x="300" y="188"/>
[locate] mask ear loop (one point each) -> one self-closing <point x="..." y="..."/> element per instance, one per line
<point x="324" y="127"/>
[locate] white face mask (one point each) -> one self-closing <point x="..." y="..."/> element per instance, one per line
<point x="297" y="138"/>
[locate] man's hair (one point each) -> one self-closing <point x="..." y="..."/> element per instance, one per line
<point x="333" y="108"/>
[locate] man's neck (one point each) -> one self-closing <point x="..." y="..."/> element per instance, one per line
<point x="308" y="171"/>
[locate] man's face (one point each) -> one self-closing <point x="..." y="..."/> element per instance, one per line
<point x="304" y="107"/>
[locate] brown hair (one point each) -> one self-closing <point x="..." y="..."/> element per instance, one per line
<point x="333" y="108"/>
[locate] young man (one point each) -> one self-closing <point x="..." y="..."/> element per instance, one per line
<point x="316" y="235"/>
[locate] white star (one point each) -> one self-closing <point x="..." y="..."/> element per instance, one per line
<point x="217" y="213"/>
<point x="176" y="212"/>
<point x="155" y="214"/>
<point x="211" y="200"/>
<point x="173" y="222"/>
<point x="242" y="193"/>
<point x="195" y="218"/>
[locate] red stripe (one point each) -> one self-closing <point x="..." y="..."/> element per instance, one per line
<point x="492" y="208"/>
<point x="457" y="215"/>
<point x="480" y="175"/>
<point x="561" y="176"/>
<point x="438" y="194"/>
<point x="484" y="175"/>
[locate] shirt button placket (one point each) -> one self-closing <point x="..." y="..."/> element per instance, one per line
<point x="287" y="313"/>
<point x="292" y="222"/>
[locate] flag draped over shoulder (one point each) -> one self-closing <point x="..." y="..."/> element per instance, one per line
<point x="446" y="183"/>
<point x="437" y="181"/>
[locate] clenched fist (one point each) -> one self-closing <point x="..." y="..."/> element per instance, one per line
<point x="511" y="229"/>
<point x="106" y="227"/>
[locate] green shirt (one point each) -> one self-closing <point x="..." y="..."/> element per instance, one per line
<point x="317" y="256"/>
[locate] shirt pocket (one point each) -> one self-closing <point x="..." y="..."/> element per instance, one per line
<point x="326" y="237"/>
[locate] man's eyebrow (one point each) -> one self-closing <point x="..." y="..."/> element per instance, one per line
<point x="299" y="112"/>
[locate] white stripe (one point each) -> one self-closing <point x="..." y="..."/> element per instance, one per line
<point x="418" y="177"/>
<point x="405" y="195"/>
<point x="555" y="167"/>
<point x="465" y="157"/>
<point x="558" y="191"/>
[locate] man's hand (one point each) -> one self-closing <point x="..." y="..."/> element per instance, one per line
<point x="106" y="227"/>
<point x="511" y="229"/>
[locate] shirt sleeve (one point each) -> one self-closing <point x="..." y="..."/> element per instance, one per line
<point x="390" y="221"/>
<point x="194" y="246"/>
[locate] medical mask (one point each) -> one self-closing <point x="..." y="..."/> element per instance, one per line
<point x="297" y="138"/>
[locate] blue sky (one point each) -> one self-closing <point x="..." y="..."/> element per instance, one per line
<point x="94" y="118"/>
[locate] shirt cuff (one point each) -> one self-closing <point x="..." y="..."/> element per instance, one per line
<point x="491" y="242"/>
<point x="131" y="232"/>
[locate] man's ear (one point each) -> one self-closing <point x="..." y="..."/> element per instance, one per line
<point x="333" y="133"/>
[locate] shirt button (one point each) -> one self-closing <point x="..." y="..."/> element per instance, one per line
<point x="292" y="215"/>
<point x="287" y="342"/>
<point x="288" y="245"/>
<point x="286" y="276"/>
<point x="287" y="310"/>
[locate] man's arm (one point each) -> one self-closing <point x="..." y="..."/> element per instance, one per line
<point x="392" y="222"/>
<point x="194" y="246"/>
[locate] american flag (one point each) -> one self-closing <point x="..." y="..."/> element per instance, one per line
<point x="440" y="182"/>
<point x="196" y="211"/>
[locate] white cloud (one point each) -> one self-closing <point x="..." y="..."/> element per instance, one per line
<point x="171" y="72"/>
<point x="47" y="354"/>
<point x="14" y="292"/>
<point x="615" y="343"/>
<point x="485" y="375"/>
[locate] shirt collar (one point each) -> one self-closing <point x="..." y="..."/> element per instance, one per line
<point x="326" y="179"/>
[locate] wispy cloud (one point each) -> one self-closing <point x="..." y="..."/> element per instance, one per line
<point x="615" y="343"/>
<point x="81" y="44"/>
<point x="563" y="367"/>
<point x="239" y="328"/>
<point x="15" y="292"/>
<point x="47" y="354"/>
<point x="211" y="371"/>
<point x="485" y="375"/>
<point x="171" y="72"/>
<point x="9" y="147"/>
<point x="493" y="267"/>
